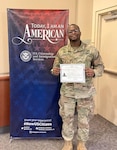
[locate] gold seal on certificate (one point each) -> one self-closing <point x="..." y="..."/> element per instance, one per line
<point x="72" y="73"/>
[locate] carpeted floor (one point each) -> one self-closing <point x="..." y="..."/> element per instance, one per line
<point x="103" y="136"/>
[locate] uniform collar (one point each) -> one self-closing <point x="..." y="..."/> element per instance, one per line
<point x="77" y="49"/>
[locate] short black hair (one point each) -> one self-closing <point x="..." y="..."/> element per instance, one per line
<point x="75" y="26"/>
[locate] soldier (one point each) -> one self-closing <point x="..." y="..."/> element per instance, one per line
<point x="77" y="96"/>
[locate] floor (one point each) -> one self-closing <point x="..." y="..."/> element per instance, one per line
<point x="103" y="136"/>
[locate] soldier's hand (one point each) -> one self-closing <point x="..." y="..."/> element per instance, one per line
<point x="89" y="72"/>
<point x="55" y="71"/>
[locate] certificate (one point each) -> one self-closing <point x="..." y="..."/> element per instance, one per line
<point x="72" y="73"/>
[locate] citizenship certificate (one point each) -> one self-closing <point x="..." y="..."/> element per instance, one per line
<point x="72" y="73"/>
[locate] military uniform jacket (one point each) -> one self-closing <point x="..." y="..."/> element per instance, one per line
<point x="86" y="54"/>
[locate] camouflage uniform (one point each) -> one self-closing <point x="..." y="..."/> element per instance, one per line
<point x="80" y="93"/>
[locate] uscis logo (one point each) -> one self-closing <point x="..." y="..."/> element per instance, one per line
<point x="25" y="56"/>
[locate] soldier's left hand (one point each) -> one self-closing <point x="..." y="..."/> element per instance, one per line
<point x="89" y="72"/>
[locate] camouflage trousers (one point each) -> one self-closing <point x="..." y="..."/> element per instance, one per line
<point x="85" y="110"/>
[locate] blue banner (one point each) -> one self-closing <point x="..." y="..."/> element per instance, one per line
<point x="34" y="38"/>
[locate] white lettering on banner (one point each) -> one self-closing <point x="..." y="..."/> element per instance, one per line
<point x="37" y="125"/>
<point x="51" y="33"/>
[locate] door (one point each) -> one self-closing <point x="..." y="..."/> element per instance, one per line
<point x="107" y="84"/>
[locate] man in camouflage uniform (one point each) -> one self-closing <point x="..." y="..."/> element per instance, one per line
<point x="77" y="52"/>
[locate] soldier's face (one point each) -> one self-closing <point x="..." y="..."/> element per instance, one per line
<point x="74" y="33"/>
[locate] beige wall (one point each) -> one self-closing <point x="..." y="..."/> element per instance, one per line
<point x="101" y="4"/>
<point x="78" y="13"/>
<point x="84" y="18"/>
<point x="97" y="6"/>
<point x="105" y="99"/>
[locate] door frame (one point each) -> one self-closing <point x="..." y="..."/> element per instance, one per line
<point x="96" y="37"/>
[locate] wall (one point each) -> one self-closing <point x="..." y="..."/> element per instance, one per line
<point x="100" y="5"/>
<point x="80" y="11"/>
<point x="106" y="104"/>
<point x="21" y="4"/>
<point x="84" y="18"/>
<point x="4" y="101"/>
